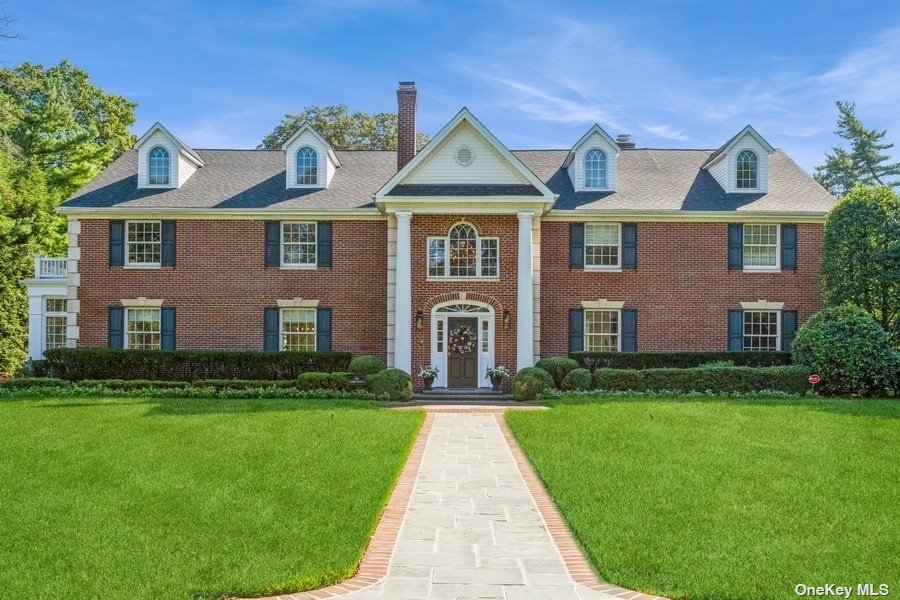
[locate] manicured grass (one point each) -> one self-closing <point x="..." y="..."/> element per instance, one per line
<point x="725" y="499"/>
<point x="139" y="498"/>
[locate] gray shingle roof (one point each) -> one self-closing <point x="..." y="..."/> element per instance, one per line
<point x="651" y="180"/>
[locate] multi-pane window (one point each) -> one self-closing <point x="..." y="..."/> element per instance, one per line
<point x="298" y="329"/>
<point x="760" y="246"/>
<point x="55" y="321"/>
<point x="595" y="169"/>
<point x="463" y="253"/>
<point x="440" y="335"/>
<point x="307" y="166"/>
<point x="298" y="244"/>
<point x="158" y="167"/>
<point x="142" y="328"/>
<point x="602" y="245"/>
<point x="144" y="242"/>
<point x="602" y="332"/>
<point x="747" y="175"/>
<point x="761" y="329"/>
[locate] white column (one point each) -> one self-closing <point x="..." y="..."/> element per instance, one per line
<point x="525" y="296"/>
<point x="403" y="318"/>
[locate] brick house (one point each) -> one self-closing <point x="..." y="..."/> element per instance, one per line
<point x="412" y="256"/>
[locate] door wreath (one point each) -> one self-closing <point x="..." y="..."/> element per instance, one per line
<point x="462" y="339"/>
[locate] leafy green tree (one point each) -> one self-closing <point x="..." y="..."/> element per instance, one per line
<point x="861" y="262"/>
<point x="341" y="129"/>
<point x="864" y="163"/>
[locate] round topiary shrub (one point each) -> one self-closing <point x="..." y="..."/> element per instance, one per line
<point x="393" y="383"/>
<point x="577" y="380"/>
<point x="848" y="349"/>
<point x="365" y="364"/>
<point x="530" y="382"/>
<point x="558" y="367"/>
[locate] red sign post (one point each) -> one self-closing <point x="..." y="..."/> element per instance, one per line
<point x="814" y="379"/>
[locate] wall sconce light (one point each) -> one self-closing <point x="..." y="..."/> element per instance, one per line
<point x="505" y="317"/>
<point x="418" y="319"/>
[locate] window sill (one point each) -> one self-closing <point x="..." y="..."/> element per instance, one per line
<point x="148" y="266"/>
<point x="463" y="279"/>
<point x="605" y="269"/>
<point x="761" y="269"/>
<point x="298" y="267"/>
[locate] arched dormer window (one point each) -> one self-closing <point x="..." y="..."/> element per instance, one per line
<point x="307" y="166"/>
<point x="747" y="176"/>
<point x="463" y="253"/>
<point x="158" y="166"/>
<point x="595" y="169"/>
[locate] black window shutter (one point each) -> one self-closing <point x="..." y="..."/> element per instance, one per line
<point x="629" y="245"/>
<point x="576" y="245"/>
<point x="789" y="247"/>
<point x="167" y="328"/>
<point x="323" y="243"/>
<point x="576" y="329"/>
<point x="115" y="337"/>
<point x="270" y="323"/>
<point x="735" y="246"/>
<point x="735" y="330"/>
<point x="788" y="329"/>
<point x="168" y="244"/>
<point x="273" y="244"/>
<point x="116" y="243"/>
<point x="629" y="330"/>
<point x="323" y="329"/>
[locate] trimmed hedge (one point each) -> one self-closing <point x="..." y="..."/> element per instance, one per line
<point x="324" y="381"/>
<point x="131" y="385"/>
<point x="677" y="360"/>
<point x="25" y="383"/>
<point x="578" y="380"/>
<point x="78" y="364"/>
<point x="790" y="379"/>
<point x="531" y="382"/>
<point x="393" y="383"/>
<point x="365" y="364"/>
<point x="558" y="368"/>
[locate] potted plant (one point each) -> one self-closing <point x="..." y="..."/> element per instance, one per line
<point x="428" y="373"/>
<point x="497" y="375"/>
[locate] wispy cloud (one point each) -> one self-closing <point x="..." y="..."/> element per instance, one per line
<point x="666" y="132"/>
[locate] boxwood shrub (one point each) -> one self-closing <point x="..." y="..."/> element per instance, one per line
<point x="530" y="382"/>
<point x="324" y="381"/>
<point x="25" y="383"/>
<point x="577" y="380"/>
<point x="365" y="364"/>
<point x="558" y="368"/>
<point x="78" y="364"/>
<point x="677" y="360"/>
<point x="790" y="379"/>
<point x="396" y="384"/>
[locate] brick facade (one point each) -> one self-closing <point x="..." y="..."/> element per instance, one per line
<point x="682" y="288"/>
<point x="220" y="285"/>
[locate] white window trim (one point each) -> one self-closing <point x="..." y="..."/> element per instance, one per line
<point x="318" y="182"/>
<point x="584" y="335"/>
<point x="764" y="269"/>
<point x="446" y="276"/>
<point x="56" y="314"/>
<point x="616" y="268"/>
<point x="171" y="177"/>
<point x="777" y="328"/>
<point x="281" y="333"/>
<point x="585" y="186"/>
<point x="298" y="266"/>
<point x="142" y="265"/>
<point x="758" y="186"/>
<point x="125" y="334"/>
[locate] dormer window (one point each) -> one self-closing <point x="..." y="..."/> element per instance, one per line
<point x="158" y="167"/>
<point x="595" y="169"/>
<point x="307" y="166"/>
<point x="747" y="171"/>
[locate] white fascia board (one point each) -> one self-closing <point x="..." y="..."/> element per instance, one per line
<point x="186" y="150"/>
<point x="223" y="214"/>
<point x="693" y="216"/>
<point x="307" y="127"/>
<point x="595" y="129"/>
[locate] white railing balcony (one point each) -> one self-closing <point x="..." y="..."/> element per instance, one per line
<point x="46" y="267"/>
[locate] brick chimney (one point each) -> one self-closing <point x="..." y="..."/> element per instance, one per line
<point x="406" y="122"/>
<point x="624" y="141"/>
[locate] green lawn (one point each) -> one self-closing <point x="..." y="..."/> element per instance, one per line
<point x="725" y="499"/>
<point x="139" y="498"/>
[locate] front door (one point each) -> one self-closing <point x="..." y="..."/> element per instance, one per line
<point x="462" y="352"/>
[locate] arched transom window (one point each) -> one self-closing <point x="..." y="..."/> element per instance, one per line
<point x="463" y="253"/>
<point x="158" y="167"/>
<point x="595" y="169"/>
<point x="307" y="166"/>
<point x="747" y="170"/>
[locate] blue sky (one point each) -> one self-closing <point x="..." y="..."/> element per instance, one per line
<point x="673" y="73"/>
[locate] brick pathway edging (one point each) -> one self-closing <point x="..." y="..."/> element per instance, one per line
<point x="578" y="566"/>
<point x="374" y="564"/>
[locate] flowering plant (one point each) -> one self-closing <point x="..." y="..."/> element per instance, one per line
<point x="500" y="372"/>
<point x="4" y="377"/>
<point x="462" y="339"/>
<point x="428" y="372"/>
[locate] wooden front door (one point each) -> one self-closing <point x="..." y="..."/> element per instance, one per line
<point x="462" y="368"/>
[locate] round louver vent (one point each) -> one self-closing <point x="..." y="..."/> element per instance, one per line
<point x="465" y="156"/>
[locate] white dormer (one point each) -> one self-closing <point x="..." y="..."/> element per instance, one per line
<point x="311" y="162"/>
<point x="741" y="166"/>
<point x="593" y="162"/>
<point x="164" y="161"/>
